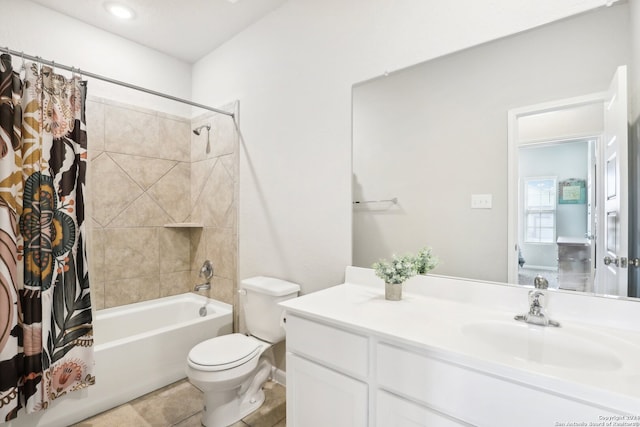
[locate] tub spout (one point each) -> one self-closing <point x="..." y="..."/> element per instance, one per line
<point x="202" y="287"/>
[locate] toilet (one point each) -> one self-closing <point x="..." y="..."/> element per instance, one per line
<point x="231" y="369"/>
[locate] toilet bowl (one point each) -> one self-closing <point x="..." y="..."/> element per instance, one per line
<point x="231" y="369"/>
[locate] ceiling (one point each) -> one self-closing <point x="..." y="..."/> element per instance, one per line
<point x="184" y="29"/>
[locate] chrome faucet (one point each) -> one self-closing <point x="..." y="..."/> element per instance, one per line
<point x="536" y="315"/>
<point x="202" y="287"/>
<point x="206" y="271"/>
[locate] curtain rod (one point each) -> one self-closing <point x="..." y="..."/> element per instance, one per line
<point x="110" y="80"/>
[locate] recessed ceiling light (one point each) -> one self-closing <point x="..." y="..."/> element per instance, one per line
<point x="119" y="10"/>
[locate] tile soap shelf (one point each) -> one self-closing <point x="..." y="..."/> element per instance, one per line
<point x="184" y="225"/>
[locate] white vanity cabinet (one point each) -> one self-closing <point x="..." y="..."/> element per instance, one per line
<point x="471" y="397"/>
<point x="342" y="377"/>
<point x="326" y="372"/>
<point x="355" y="360"/>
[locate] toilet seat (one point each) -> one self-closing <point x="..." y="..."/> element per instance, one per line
<point x="223" y="352"/>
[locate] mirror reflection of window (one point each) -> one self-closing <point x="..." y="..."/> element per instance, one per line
<point x="540" y="210"/>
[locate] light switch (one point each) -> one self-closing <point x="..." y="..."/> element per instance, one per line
<point x="481" y="201"/>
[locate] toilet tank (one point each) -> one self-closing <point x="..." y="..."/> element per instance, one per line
<point x="259" y="298"/>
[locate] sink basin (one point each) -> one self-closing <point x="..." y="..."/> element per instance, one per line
<point x="560" y="347"/>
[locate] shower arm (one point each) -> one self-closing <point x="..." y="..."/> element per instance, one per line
<point x="198" y="130"/>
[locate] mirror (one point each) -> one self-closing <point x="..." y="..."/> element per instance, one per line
<point x="430" y="141"/>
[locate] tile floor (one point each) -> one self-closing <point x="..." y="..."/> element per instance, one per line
<point x="179" y="405"/>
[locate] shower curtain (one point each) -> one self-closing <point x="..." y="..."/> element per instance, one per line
<point x="46" y="335"/>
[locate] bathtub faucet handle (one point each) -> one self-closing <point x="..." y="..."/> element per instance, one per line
<point x="206" y="270"/>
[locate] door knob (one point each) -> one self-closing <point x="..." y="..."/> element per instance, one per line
<point x="634" y="262"/>
<point x="608" y="260"/>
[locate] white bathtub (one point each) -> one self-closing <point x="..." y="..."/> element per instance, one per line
<point x="139" y="348"/>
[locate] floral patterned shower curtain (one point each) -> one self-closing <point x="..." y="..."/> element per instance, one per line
<point x="46" y="336"/>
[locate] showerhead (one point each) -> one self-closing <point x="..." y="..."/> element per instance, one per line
<point x="199" y="128"/>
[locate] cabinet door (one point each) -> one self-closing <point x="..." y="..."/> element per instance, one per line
<point x="321" y="397"/>
<point x="394" y="411"/>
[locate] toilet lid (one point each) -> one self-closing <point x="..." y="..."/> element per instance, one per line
<point x="224" y="352"/>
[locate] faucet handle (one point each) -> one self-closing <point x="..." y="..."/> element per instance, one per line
<point x="206" y="270"/>
<point x="536" y="302"/>
<point x="540" y="282"/>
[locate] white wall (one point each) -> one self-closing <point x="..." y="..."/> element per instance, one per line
<point x="293" y="72"/>
<point x="39" y="31"/>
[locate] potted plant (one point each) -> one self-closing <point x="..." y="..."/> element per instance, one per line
<point x="394" y="273"/>
<point x="425" y="261"/>
<point x="399" y="269"/>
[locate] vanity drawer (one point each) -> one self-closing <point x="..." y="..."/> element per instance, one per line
<point x="333" y="347"/>
<point x="394" y="411"/>
<point x="473" y="397"/>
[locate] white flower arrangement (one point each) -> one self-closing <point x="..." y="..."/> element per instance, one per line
<point x="402" y="268"/>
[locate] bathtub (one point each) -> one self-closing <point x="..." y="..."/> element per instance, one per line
<point x="138" y="348"/>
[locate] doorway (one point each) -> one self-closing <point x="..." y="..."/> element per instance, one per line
<point x="604" y="115"/>
<point x="556" y="212"/>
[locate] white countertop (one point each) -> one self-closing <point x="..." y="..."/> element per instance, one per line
<point x="435" y="325"/>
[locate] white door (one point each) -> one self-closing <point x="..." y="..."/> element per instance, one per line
<point x="612" y="251"/>
<point x="592" y="209"/>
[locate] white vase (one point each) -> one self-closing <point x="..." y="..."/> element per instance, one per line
<point x="393" y="291"/>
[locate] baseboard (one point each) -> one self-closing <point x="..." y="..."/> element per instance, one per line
<point x="279" y="376"/>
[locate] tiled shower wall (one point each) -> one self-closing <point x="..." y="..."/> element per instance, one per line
<point x="147" y="170"/>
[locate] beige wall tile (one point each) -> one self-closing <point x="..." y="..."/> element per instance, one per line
<point x="200" y="172"/>
<point x="133" y="132"/>
<point x="221" y="250"/>
<point x="198" y="248"/>
<point x="222" y="289"/>
<point x="95" y="253"/>
<point x="175" y="249"/>
<point x="199" y="142"/>
<point x="145" y="171"/>
<point x="131" y="252"/>
<point x="231" y="219"/>
<point x="128" y="291"/>
<point x="217" y="196"/>
<point x="96" y="289"/>
<point x="112" y="189"/>
<point x="142" y="212"/>
<point x="138" y="186"/>
<point x="175" y="138"/>
<point x="225" y="136"/>
<point x="172" y="192"/>
<point x="230" y="163"/>
<point x="175" y="283"/>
